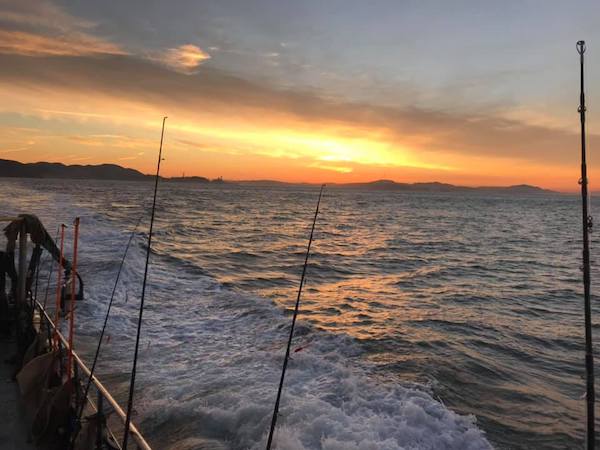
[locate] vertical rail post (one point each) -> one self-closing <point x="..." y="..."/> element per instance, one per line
<point x="587" y="225"/>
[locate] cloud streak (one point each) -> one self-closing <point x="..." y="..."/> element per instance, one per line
<point x="221" y="94"/>
<point x="40" y="28"/>
<point x="227" y="115"/>
<point x="30" y="44"/>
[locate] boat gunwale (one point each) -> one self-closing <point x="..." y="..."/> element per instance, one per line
<point x="102" y="390"/>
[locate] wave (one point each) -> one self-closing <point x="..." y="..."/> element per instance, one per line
<point x="211" y="358"/>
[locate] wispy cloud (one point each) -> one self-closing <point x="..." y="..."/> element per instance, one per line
<point x="14" y="150"/>
<point x="230" y="98"/>
<point x="110" y="140"/>
<point x="41" y="28"/>
<point x="339" y="169"/>
<point x="30" y="44"/>
<point x="243" y="121"/>
<point x="41" y="14"/>
<point x="185" y="58"/>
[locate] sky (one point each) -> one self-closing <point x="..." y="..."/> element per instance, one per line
<point x="477" y="93"/>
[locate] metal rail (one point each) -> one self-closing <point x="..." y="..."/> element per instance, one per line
<point x="102" y="391"/>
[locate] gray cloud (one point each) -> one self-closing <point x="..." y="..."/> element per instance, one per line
<point x="40" y="28"/>
<point x="127" y="77"/>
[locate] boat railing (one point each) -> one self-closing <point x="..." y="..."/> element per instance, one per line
<point x="103" y="395"/>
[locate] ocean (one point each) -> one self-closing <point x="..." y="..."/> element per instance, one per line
<point x="428" y="320"/>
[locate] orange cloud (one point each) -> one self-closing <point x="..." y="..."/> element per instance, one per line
<point x="185" y="58"/>
<point x="42" y="15"/>
<point x="35" y="28"/>
<point x="30" y="44"/>
<point x="252" y="130"/>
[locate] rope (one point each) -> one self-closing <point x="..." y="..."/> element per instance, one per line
<point x="50" y="273"/>
<point x="289" y="343"/>
<point x="141" y="310"/>
<point x="101" y="338"/>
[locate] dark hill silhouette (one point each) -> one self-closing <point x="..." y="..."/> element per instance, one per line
<point x="16" y="169"/>
<point x="435" y="186"/>
<point x="57" y="170"/>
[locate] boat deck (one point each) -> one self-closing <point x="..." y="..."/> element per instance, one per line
<point x="14" y="424"/>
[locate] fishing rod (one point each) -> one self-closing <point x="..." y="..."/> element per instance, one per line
<point x="141" y="311"/>
<point x="587" y="226"/>
<point x="289" y="343"/>
<point x="101" y="338"/>
<point x="72" y="305"/>
<point x="59" y="287"/>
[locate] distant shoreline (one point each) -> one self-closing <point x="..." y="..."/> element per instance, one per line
<point x="45" y="170"/>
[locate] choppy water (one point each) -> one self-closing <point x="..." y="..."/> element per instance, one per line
<point x="429" y="321"/>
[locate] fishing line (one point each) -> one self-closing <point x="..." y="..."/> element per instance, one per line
<point x="47" y="290"/>
<point x="289" y="343"/>
<point x="141" y="310"/>
<point x="101" y="338"/>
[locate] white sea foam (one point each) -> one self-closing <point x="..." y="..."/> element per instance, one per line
<point x="210" y="362"/>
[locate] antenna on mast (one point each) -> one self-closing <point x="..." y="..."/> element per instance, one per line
<point x="587" y="226"/>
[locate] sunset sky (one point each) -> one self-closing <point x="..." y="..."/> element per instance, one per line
<point x="465" y="92"/>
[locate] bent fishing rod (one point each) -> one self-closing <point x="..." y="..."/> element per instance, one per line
<point x="289" y="343"/>
<point x="587" y="227"/>
<point x="141" y="309"/>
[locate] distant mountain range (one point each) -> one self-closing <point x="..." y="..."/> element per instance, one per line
<point x="57" y="170"/>
<point x="15" y="169"/>
<point x="389" y="185"/>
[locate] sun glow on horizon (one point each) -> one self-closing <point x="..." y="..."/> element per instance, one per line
<point x="89" y="110"/>
<point x="321" y="147"/>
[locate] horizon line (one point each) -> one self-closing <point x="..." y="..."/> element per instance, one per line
<point x="315" y="183"/>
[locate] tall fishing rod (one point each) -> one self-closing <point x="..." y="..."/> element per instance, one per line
<point x="72" y="305"/>
<point x="289" y="343"/>
<point x="59" y="287"/>
<point x="139" y="324"/>
<point x="587" y="226"/>
<point x="101" y="337"/>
